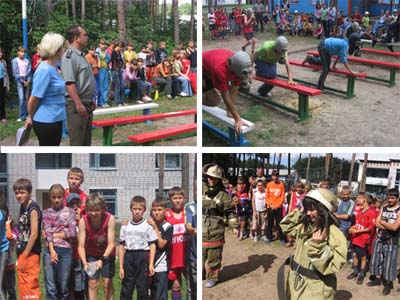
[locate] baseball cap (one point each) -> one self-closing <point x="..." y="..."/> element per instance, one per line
<point x="325" y="197"/>
<point x="240" y="64"/>
<point x="73" y="196"/>
<point x="282" y="44"/>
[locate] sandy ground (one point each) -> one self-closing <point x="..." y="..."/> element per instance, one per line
<point x="249" y="272"/>
<point x="368" y="119"/>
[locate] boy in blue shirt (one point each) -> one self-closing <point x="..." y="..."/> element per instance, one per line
<point x="191" y="256"/>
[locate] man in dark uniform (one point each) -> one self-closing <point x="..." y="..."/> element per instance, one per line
<point x="216" y="205"/>
<point x="78" y="76"/>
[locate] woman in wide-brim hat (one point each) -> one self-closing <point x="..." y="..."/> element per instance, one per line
<point x="321" y="247"/>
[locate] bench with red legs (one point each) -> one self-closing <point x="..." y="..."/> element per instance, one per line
<point x="109" y="124"/>
<point x="351" y="79"/>
<point x="393" y="67"/>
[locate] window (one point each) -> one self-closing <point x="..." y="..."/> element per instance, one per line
<point x="110" y="196"/>
<point x="102" y="161"/>
<point x="53" y="160"/>
<point x="171" y="161"/>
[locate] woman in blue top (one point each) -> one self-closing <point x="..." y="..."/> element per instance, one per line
<point x="46" y="105"/>
<point x="3" y="240"/>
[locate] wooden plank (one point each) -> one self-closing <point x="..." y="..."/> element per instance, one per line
<point x="122" y="109"/>
<point x="221" y="115"/>
<point x="163" y="133"/>
<point x="365" y="61"/>
<point x="317" y="67"/>
<point x="301" y="89"/>
<point x="380" y="52"/>
<point x="143" y="118"/>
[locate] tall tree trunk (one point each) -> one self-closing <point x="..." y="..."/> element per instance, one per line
<point x="308" y="166"/>
<point x="185" y="173"/>
<point x="364" y="174"/>
<point x="353" y="159"/>
<point x="327" y="162"/>
<point x="49" y="7"/>
<point x="210" y="4"/>
<point x="164" y="15"/>
<point x="192" y="33"/>
<point x="289" y="164"/>
<point x="279" y="161"/>
<point x="73" y="10"/>
<point x="175" y="16"/>
<point x="161" y="175"/>
<point x="195" y="179"/>
<point x="121" y="20"/>
<point x="66" y="8"/>
<point x="273" y="162"/>
<point x="157" y="9"/>
<point x="300" y="168"/>
<point x="83" y="10"/>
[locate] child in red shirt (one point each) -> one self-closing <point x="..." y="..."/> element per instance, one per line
<point x="75" y="180"/>
<point x="176" y="217"/>
<point x="360" y="237"/>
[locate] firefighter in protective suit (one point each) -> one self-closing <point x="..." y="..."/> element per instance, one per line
<point x="217" y="204"/>
<point x="320" y="248"/>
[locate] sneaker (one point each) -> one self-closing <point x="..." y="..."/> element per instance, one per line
<point x="268" y="241"/>
<point x="374" y="41"/>
<point x="269" y="94"/>
<point x="390" y="47"/>
<point x="139" y="101"/>
<point x="374" y="282"/>
<point x="183" y="94"/>
<point x="106" y="106"/>
<point x="360" y="280"/>
<point x="352" y="275"/>
<point x="210" y="284"/>
<point x="147" y="99"/>
<point x="306" y="59"/>
<point x="263" y="239"/>
<point x="4" y="121"/>
<point x="255" y="239"/>
<point x="244" y="49"/>
<point x="120" y="105"/>
<point x="169" y="96"/>
<point x="19" y="120"/>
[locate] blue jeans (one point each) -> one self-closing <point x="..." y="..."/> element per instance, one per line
<point x="104" y="82"/>
<point x="376" y="27"/>
<point x="23" y="94"/>
<point x="56" y="276"/>
<point x="266" y="71"/>
<point x="97" y="91"/>
<point x="185" y="84"/>
<point x="119" y="93"/>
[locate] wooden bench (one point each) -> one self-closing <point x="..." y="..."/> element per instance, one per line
<point x="145" y="138"/>
<point x="108" y="124"/>
<point x="146" y="107"/>
<point x="349" y="93"/>
<point x="303" y="92"/>
<point x="393" y="67"/>
<point x="380" y="52"/>
<point x="231" y="136"/>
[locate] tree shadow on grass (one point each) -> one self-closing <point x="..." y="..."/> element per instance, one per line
<point x="254" y="261"/>
<point x="343" y="295"/>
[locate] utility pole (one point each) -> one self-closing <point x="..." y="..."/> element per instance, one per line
<point x="24" y="28"/>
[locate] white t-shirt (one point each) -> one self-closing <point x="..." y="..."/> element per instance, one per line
<point x="259" y="201"/>
<point x="137" y="236"/>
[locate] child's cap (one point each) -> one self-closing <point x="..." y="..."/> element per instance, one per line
<point x="73" y="196"/>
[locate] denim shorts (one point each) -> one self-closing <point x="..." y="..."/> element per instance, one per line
<point x="108" y="269"/>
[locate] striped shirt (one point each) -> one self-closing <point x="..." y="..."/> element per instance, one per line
<point x="56" y="221"/>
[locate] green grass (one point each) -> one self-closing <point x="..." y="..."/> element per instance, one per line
<point x="166" y="105"/>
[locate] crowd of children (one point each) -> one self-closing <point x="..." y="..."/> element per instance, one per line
<point x="79" y="245"/>
<point x="133" y="72"/>
<point x="323" y="22"/>
<point x="370" y="227"/>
